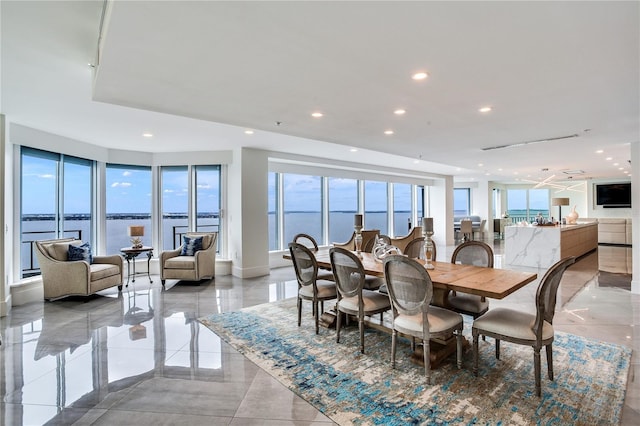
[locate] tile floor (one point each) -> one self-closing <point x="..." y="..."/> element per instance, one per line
<point x="141" y="357"/>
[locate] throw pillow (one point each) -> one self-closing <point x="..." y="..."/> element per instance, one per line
<point x="190" y="245"/>
<point x="82" y="252"/>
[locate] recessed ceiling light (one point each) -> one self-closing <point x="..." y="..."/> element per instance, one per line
<point x="399" y="112"/>
<point x="388" y="132"/>
<point x="248" y="132"/>
<point x="354" y="150"/>
<point x="626" y="171"/>
<point x="420" y="75"/>
<point x="147" y="135"/>
<point x="480" y="164"/>
<point x="515" y="173"/>
<point x="500" y="170"/>
<point x="600" y="151"/>
<point x="620" y="168"/>
<point x="487" y="174"/>
<point x="316" y="114"/>
<point x="416" y="161"/>
<point x="609" y="158"/>
<point x="616" y="164"/>
<point x="485" y="109"/>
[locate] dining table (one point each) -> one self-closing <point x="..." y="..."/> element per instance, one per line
<point x="446" y="277"/>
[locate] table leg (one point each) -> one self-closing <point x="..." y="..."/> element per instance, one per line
<point x="134" y="269"/>
<point x="149" y="256"/>
<point x="126" y="257"/>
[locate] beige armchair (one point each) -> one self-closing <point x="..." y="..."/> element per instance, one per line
<point x="61" y="277"/>
<point x="190" y="268"/>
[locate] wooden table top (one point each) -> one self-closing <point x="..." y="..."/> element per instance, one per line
<point x="487" y="282"/>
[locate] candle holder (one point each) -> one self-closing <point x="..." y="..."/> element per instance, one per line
<point x="358" y="240"/>
<point x="427" y="232"/>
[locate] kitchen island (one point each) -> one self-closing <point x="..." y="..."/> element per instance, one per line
<point x="542" y="246"/>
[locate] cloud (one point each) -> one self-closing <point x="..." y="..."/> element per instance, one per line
<point x="168" y="191"/>
<point x="121" y="184"/>
<point x="204" y="186"/>
<point x="126" y="173"/>
<point x="47" y="176"/>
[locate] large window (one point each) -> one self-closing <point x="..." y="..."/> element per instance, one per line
<point x="55" y="201"/>
<point x="175" y="205"/>
<point x="401" y="209"/>
<point x="208" y="199"/>
<point x="272" y="210"/>
<point x="376" y="206"/>
<point x="343" y="204"/>
<point x="461" y="202"/>
<point x="128" y="190"/>
<point x="525" y="204"/>
<point x="302" y="206"/>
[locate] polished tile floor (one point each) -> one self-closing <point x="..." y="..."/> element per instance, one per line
<point x="141" y="357"/>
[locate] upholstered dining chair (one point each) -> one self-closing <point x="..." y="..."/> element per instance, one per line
<point x="410" y="291"/>
<point x="474" y="253"/>
<point x="535" y="330"/>
<point x="353" y="298"/>
<point x="309" y="242"/>
<point x="367" y="236"/>
<point x="466" y="229"/>
<point x="415" y="248"/>
<point x="309" y="286"/>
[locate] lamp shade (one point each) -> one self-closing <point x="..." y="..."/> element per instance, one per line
<point x="136" y="231"/>
<point x="560" y="201"/>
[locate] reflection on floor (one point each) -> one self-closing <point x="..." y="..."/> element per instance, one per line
<point x="141" y="356"/>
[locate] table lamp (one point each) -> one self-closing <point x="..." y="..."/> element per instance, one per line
<point x="136" y="232"/>
<point x="560" y="202"/>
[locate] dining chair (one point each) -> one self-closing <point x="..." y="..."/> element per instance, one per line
<point x="410" y="292"/>
<point x="415" y="248"/>
<point x="480" y="229"/>
<point x="367" y="235"/>
<point x="309" y="242"/>
<point x="353" y="298"/>
<point x="474" y="253"/>
<point x="466" y="229"/>
<point x="309" y="286"/>
<point x="372" y="242"/>
<point x="523" y="328"/>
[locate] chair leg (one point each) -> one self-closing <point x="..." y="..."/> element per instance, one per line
<point x="536" y="364"/>
<point x="426" y="349"/>
<point x="316" y="316"/>
<point x="550" y="361"/>
<point x="497" y="348"/>
<point x="299" y="311"/>
<point x="475" y="353"/>
<point x="338" y="324"/>
<point x="413" y="343"/>
<point x="394" y="335"/>
<point x="361" y="327"/>
<point x="459" y="349"/>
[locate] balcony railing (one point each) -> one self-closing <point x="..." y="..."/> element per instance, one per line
<point x="32" y="269"/>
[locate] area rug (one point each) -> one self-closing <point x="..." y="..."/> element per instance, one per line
<point x="352" y="388"/>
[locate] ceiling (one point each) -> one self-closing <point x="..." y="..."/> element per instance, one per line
<point x="198" y="74"/>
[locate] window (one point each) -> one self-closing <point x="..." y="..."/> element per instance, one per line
<point x="207" y="181"/>
<point x="420" y="195"/>
<point x="376" y="206"/>
<point x="272" y="210"/>
<point x="175" y="205"/>
<point x="55" y="201"/>
<point x="401" y="209"/>
<point x="525" y="204"/>
<point x="302" y="196"/>
<point x="343" y="204"/>
<point x="461" y="202"/>
<point x="128" y="191"/>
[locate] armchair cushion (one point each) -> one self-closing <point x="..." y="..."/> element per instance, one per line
<point x="190" y="245"/>
<point x="82" y="252"/>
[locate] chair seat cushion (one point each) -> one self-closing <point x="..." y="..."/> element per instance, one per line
<point x="373" y="283"/>
<point x="103" y="270"/>
<point x="508" y="322"/>
<point x="468" y="303"/>
<point x="439" y="320"/>
<point x="326" y="290"/>
<point x="372" y="300"/>
<point x="180" y="262"/>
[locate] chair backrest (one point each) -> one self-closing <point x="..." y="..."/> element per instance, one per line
<point x="306" y="240"/>
<point x="367" y="236"/>
<point x="483" y="222"/>
<point x="56" y="249"/>
<point x="409" y="285"/>
<point x="401" y="242"/>
<point x="415" y="248"/>
<point x="466" y="226"/>
<point x="348" y="272"/>
<point x="473" y="253"/>
<point x="304" y="263"/>
<point x="546" y="294"/>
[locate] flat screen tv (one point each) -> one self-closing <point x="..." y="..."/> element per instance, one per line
<point x="613" y="195"/>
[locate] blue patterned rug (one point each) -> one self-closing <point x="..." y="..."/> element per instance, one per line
<point x="351" y="388"/>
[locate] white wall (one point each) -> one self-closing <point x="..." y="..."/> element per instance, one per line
<point x="635" y="217"/>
